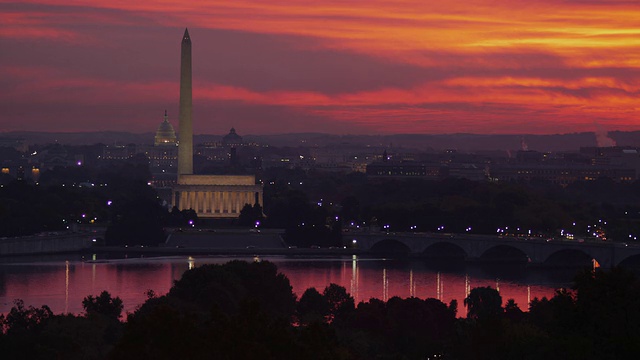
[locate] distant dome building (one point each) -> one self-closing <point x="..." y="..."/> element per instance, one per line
<point x="232" y="139"/>
<point x="165" y="136"/>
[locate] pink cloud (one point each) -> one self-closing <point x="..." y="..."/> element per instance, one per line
<point x="410" y="66"/>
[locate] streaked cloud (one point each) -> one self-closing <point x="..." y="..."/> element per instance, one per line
<point x="537" y="66"/>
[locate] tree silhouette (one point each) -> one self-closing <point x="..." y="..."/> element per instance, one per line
<point x="339" y="301"/>
<point x="103" y="305"/>
<point x="483" y="303"/>
<point x="312" y="306"/>
<point x="250" y="215"/>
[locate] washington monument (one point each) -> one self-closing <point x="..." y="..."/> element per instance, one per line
<point x="185" y="128"/>
<point x="210" y="196"/>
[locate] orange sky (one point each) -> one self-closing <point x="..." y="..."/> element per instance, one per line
<point x="370" y="67"/>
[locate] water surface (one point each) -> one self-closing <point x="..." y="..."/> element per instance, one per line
<point x="61" y="282"/>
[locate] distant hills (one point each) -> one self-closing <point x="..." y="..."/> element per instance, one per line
<point x="422" y="142"/>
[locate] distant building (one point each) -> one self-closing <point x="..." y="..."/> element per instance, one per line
<point x="212" y="151"/>
<point x="529" y="157"/>
<point x="621" y="164"/>
<point x="230" y="149"/>
<point x="449" y="163"/>
<point x="119" y="152"/>
<point x="466" y="171"/>
<point x="344" y="158"/>
<point x="56" y="155"/>
<point x="21" y="172"/>
<point x="16" y="143"/>
<point x="232" y="139"/>
<point x="559" y="174"/>
<point x="392" y="168"/>
<point x="626" y="157"/>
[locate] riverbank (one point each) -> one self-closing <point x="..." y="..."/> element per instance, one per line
<point x="51" y="243"/>
<point x="150" y="251"/>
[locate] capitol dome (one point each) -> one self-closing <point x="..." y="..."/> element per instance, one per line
<point x="165" y="134"/>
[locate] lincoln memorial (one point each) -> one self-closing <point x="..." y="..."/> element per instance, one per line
<point x="216" y="196"/>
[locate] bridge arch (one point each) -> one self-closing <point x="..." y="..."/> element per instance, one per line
<point x="570" y="258"/>
<point x="445" y="250"/>
<point x="504" y="253"/>
<point x="632" y="261"/>
<point x="390" y="246"/>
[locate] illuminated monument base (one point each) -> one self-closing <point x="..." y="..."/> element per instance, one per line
<point x="216" y="196"/>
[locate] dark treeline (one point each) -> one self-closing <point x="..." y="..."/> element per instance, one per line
<point x="315" y="208"/>
<point x="307" y="203"/>
<point x="243" y="310"/>
<point x="115" y="195"/>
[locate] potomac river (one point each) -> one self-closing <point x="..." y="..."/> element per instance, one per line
<point x="62" y="281"/>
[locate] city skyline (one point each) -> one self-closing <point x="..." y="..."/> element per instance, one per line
<point x="540" y="67"/>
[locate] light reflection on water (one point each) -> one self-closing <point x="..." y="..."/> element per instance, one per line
<point x="62" y="283"/>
